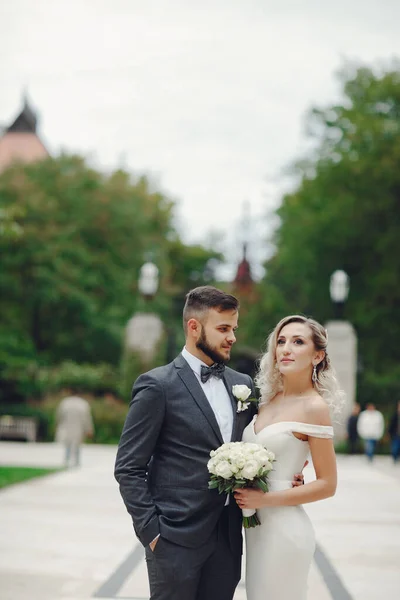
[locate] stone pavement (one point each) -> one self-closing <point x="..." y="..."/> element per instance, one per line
<point x="67" y="536"/>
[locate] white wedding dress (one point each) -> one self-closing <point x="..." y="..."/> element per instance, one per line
<point x="280" y="550"/>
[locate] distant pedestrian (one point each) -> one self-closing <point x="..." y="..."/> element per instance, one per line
<point x="352" y="433"/>
<point x="74" y="423"/>
<point x="370" y="428"/>
<point x="394" y="432"/>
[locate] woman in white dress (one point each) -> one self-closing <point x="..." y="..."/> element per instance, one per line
<point x="298" y="392"/>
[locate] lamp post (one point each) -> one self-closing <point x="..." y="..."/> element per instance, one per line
<point x="339" y="290"/>
<point x="148" y="286"/>
<point x="143" y="333"/>
<point x="145" y="329"/>
<point x="342" y="347"/>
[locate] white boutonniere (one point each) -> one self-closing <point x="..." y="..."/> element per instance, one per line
<point x="242" y="393"/>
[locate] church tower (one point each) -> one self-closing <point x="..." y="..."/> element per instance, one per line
<point x="243" y="283"/>
<point x="19" y="141"/>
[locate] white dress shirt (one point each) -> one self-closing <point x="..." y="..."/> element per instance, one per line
<point x="216" y="394"/>
<point x="371" y="425"/>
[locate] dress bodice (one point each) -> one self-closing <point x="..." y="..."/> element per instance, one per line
<point x="284" y="542"/>
<point x="290" y="451"/>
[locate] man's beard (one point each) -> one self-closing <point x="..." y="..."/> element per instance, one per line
<point x="203" y="345"/>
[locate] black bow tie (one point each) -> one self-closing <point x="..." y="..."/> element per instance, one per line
<point x="216" y="370"/>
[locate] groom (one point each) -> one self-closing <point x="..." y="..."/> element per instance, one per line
<point x="178" y="414"/>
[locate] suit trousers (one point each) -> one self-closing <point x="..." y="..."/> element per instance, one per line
<point x="209" y="572"/>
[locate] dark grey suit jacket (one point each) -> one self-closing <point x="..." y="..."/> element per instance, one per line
<point x="165" y="445"/>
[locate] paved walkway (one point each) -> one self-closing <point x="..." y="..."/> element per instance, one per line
<point x="67" y="536"/>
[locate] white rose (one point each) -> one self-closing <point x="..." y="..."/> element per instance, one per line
<point x="241" y="392"/>
<point x="250" y="469"/>
<point x="223" y="469"/>
<point x="264" y="455"/>
<point x="271" y="456"/>
<point x="238" y="460"/>
<point x="224" y="455"/>
<point x="260" y="458"/>
<point x="254" y="447"/>
<point x="235" y="454"/>
<point x="211" y="465"/>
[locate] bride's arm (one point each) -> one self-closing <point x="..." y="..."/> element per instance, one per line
<point x="324" y="461"/>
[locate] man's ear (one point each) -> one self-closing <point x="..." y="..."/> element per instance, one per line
<point x="194" y="328"/>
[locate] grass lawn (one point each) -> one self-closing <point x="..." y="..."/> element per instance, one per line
<point x="9" y="475"/>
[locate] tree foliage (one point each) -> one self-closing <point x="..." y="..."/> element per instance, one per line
<point x="69" y="275"/>
<point x="345" y="214"/>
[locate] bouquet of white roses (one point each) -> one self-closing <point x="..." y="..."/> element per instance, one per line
<point x="238" y="465"/>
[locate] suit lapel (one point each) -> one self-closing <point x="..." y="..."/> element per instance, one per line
<point x="194" y="388"/>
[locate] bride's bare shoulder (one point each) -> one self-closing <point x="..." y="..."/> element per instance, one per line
<point x="317" y="411"/>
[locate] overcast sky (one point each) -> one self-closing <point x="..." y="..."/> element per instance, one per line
<point x="207" y="96"/>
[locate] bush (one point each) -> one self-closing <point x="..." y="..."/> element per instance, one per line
<point x="87" y="378"/>
<point x="108" y="421"/>
<point x="23" y="378"/>
<point x="108" y="417"/>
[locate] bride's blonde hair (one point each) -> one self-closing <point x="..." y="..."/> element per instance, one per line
<point x="269" y="379"/>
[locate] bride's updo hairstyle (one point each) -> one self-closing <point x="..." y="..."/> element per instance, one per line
<point x="269" y="379"/>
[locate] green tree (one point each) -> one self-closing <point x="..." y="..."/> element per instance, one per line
<point x="69" y="277"/>
<point x="345" y="213"/>
<point x="73" y="267"/>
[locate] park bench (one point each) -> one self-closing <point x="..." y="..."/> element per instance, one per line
<point x="18" y="428"/>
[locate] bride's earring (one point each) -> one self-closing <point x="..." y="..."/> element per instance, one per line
<point x="314" y="374"/>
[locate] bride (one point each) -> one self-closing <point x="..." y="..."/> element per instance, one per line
<point x="298" y="393"/>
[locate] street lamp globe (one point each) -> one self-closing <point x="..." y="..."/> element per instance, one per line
<point x="339" y="286"/>
<point x="148" y="280"/>
<point x="339" y="290"/>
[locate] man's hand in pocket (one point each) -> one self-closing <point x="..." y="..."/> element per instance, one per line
<point x="153" y="544"/>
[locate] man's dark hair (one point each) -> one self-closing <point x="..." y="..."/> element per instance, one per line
<point x="203" y="298"/>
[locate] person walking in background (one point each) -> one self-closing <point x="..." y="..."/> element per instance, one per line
<point x="394" y="432"/>
<point x="370" y="428"/>
<point x="74" y="423"/>
<point x="352" y="433"/>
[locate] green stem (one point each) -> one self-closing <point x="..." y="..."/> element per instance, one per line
<point x="252" y="521"/>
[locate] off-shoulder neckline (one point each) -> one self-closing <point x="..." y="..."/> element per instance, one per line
<point x="285" y="423"/>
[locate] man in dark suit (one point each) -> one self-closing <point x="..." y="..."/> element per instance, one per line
<point x="178" y="414"/>
<point x="352" y="433"/>
<point x="394" y="432"/>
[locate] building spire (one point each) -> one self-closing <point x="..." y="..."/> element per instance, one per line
<point x="26" y="121"/>
<point x="19" y="141"/>
<point x="25" y="103"/>
<point x="244" y="281"/>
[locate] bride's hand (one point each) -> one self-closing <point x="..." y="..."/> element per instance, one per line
<point x="298" y="478"/>
<point x="250" y="498"/>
